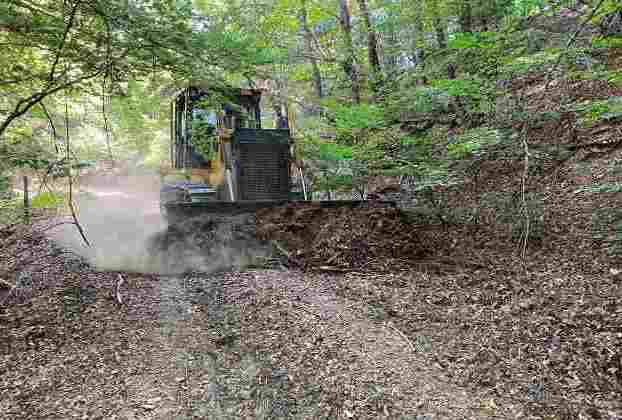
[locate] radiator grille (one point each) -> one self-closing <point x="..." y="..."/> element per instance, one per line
<point x="264" y="171"/>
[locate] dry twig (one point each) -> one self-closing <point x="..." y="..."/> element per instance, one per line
<point x="118" y="289"/>
<point x="5" y="284"/>
<point x="70" y="181"/>
<point x="410" y="344"/>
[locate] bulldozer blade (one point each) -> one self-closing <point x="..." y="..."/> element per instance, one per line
<point x="177" y="212"/>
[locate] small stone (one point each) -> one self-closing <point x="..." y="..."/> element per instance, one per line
<point x="553" y="344"/>
<point x="536" y="392"/>
<point x="214" y="391"/>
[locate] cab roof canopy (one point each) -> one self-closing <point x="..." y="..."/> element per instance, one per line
<point x="198" y="91"/>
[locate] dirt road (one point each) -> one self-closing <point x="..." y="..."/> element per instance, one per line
<point x="239" y="344"/>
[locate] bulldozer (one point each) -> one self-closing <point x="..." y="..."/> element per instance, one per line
<point x="222" y="161"/>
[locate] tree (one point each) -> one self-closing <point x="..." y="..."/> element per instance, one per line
<point x="465" y="16"/>
<point x="308" y="36"/>
<point x="51" y="47"/>
<point x="349" y="64"/>
<point x="439" y="26"/>
<point x="372" y="49"/>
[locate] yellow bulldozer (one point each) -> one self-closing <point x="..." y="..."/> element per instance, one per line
<point x="222" y="160"/>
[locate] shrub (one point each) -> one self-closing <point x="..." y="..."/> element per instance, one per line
<point x="609" y="109"/>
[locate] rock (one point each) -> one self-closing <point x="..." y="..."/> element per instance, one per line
<point x="611" y="25"/>
<point x="215" y="391"/>
<point x="536" y="392"/>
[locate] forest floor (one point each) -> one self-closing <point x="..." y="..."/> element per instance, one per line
<point x="466" y="331"/>
<point x="500" y="300"/>
<point x="264" y="343"/>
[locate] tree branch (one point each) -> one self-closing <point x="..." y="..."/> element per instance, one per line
<point x="64" y="39"/>
<point x="24" y="105"/>
<point x="70" y="181"/>
<point x="49" y="117"/>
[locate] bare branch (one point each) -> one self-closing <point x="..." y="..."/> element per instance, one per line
<point x="70" y="180"/>
<point x="24" y="105"/>
<point x="64" y="39"/>
<point x="118" y="289"/>
<point x="570" y="42"/>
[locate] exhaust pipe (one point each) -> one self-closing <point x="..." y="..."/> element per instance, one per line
<point x="230" y="184"/>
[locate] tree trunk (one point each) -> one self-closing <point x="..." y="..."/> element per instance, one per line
<point x="279" y="105"/>
<point x="466" y="16"/>
<point x="441" y="38"/>
<point x="349" y="65"/>
<point x="451" y="71"/>
<point x="372" y="49"/>
<point x="390" y="41"/>
<point x="315" y="68"/>
<point x="26" y="200"/>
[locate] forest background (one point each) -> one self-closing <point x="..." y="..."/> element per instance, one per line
<point x="404" y="89"/>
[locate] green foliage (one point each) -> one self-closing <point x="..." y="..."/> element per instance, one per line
<point x="543" y="157"/>
<point x="330" y="162"/>
<point x="610" y="109"/>
<point x="613" y="77"/>
<point x="204" y="138"/>
<point x="4" y="183"/>
<point x="48" y="200"/>
<point x="477" y="40"/>
<point x="23" y="150"/>
<point x="11" y="211"/>
<point x="526" y="7"/>
<point x="607" y="42"/>
<point x="473" y="142"/>
<point x="418" y="100"/>
<point x="475" y="54"/>
<point x="531" y="63"/>
<point x="159" y="153"/>
<point x="607" y="8"/>
<point x="607" y="228"/>
<point x="542" y="118"/>
<point x="331" y="152"/>
<point x="138" y="114"/>
<point x="460" y="87"/>
<point x="333" y="181"/>
<point x="521" y="217"/>
<point x="601" y="188"/>
<point x="352" y="122"/>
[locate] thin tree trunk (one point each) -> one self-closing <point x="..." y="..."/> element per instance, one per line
<point x="372" y="49"/>
<point x="440" y="34"/>
<point x="315" y="68"/>
<point x="466" y="16"/>
<point x="439" y="28"/>
<point x="26" y="200"/>
<point x="389" y="42"/>
<point x="419" y="36"/>
<point x="107" y="127"/>
<point x="349" y="65"/>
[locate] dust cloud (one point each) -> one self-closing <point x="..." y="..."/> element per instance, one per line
<point x="123" y="223"/>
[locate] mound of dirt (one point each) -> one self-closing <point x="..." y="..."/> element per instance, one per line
<point x="209" y="243"/>
<point x="345" y="238"/>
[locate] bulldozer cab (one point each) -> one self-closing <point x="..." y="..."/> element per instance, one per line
<point x="197" y="113"/>
<point x="220" y="153"/>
